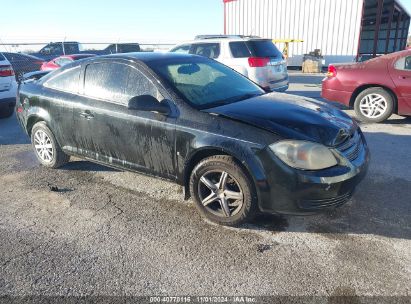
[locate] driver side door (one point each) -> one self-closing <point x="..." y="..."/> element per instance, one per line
<point x="110" y="132"/>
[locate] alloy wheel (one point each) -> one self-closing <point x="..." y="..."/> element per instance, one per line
<point x="43" y="146"/>
<point x="373" y="105"/>
<point x="220" y="193"/>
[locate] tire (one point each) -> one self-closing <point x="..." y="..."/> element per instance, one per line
<point x="374" y="105"/>
<point x="48" y="151"/>
<point x="235" y="189"/>
<point x="7" y="112"/>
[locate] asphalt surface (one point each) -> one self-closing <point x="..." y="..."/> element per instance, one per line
<point x="89" y="230"/>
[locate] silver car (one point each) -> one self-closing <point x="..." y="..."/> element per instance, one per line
<point x="8" y="88"/>
<point x="257" y="58"/>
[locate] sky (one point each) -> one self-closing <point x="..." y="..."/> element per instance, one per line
<point x="144" y="21"/>
<point x="119" y="20"/>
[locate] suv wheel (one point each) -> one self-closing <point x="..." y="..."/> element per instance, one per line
<point x="45" y="146"/>
<point x="222" y="191"/>
<point x="374" y="105"/>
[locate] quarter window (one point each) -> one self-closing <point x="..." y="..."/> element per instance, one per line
<point x="210" y="50"/>
<point x="116" y="82"/>
<point x="404" y="64"/>
<point x="67" y="80"/>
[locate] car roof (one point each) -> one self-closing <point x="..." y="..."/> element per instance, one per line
<point x="148" y="56"/>
<point x="21" y="54"/>
<point x="230" y="39"/>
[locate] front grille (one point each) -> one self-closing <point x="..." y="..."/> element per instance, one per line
<point x="325" y="203"/>
<point x="351" y="148"/>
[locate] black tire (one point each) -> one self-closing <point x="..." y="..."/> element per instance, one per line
<point x="6" y="112"/>
<point x="237" y="178"/>
<point x="369" y="92"/>
<point x="58" y="158"/>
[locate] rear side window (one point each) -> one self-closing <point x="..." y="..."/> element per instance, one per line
<point x="239" y="49"/>
<point x="210" y="50"/>
<point x="184" y="49"/>
<point x="116" y="82"/>
<point x="2" y="57"/>
<point x="404" y="64"/>
<point x="67" y="81"/>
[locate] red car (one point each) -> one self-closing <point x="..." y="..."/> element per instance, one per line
<point x="63" y="60"/>
<point x="375" y="89"/>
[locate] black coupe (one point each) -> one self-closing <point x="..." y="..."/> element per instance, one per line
<point x="235" y="148"/>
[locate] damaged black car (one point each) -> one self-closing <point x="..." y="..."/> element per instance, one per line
<point x="236" y="149"/>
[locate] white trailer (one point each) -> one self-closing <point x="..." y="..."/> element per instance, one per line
<point x="344" y="30"/>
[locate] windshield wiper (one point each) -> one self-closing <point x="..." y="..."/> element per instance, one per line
<point x="231" y="100"/>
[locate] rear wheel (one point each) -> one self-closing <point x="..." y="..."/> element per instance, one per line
<point x="45" y="146"/>
<point x="222" y="191"/>
<point x="374" y="105"/>
<point x="6" y="112"/>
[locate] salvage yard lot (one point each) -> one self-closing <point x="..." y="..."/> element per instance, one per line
<point x="88" y="229"/>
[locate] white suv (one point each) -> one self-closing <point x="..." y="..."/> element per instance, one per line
<point x="257" y="58"/>
<point x="8" y="88"/>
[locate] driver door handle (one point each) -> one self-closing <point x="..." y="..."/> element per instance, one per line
<point x="87" y="115"/>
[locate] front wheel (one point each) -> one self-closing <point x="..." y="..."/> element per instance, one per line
<point x="222" y="191"/>
<point x="45" y="146"/>
<point x="374" y="105"/>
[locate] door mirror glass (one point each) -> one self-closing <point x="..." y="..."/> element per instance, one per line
<point x="148" y="103"/>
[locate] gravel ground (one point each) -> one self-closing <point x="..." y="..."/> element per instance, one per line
<point x="107" y="232"/>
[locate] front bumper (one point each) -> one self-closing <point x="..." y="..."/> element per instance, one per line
<point x="291" y="191"/>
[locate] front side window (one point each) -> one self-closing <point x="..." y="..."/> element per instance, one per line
<point x="205" y="83"/>
<point x="209" y="50"/>
<point x="67" y="81"/>
<point x="116" y="82"/>
<point x="404" y="64"/>
<point x="184" y="49"/>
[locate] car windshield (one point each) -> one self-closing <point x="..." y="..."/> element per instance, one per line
<point x="205" y="83"/>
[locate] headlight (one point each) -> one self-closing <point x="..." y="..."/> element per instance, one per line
<point x="304" y="154"/>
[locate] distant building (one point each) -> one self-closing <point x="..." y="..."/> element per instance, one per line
<point x="343" y="30"/>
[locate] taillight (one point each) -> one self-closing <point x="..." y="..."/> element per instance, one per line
<point x="6" y="71"/>
<point x="332" y="71"/>
<point x="258" y="62"/>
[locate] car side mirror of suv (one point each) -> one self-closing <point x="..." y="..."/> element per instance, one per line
<point x="148" y="103"/>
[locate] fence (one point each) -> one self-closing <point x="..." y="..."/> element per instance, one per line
<point x="25" y="47"/>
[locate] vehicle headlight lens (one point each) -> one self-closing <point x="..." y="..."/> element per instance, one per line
<point x="304" y="155"/>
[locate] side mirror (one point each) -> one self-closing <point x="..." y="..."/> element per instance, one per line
<point x="148" y="103"/>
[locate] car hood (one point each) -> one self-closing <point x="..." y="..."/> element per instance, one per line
<point x="292" y="117"/>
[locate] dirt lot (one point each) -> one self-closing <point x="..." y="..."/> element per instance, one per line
<point x="106" y="232"/>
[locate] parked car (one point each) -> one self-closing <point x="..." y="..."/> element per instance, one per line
<point x="7" y="88"/>
<point x="56" y="49"/>
<point x="23" y="63"/>
<point x="256" y="58"/>
<point x="235" y="148"/>
<point x="375" y="89"/>
<point x="63" y="60"/>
